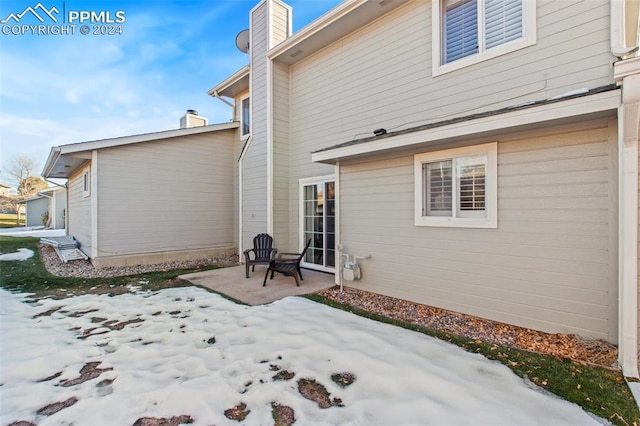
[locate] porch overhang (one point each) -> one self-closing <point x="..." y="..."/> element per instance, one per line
<point x="601" y="102"/>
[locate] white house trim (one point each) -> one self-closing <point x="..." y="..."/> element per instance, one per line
<point x="606" y="101"/>
<point x="93" y="168"/>
<point x="628" y="135"/>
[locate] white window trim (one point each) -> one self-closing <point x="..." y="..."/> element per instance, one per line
<point x="86" y="183"/>
<point x="438" y="68"/>
<point x="240" y="113"/>
<point x="491" y="190"/>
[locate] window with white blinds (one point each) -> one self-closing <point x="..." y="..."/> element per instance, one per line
<point x="503" y="22"/>
<point x="457" y="187"/>
<point x="472" y="26"/>
<point x="461" y="30"/>
<point x="470" y="31"/>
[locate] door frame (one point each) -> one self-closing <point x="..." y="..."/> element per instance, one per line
<point x="301" y="241"/>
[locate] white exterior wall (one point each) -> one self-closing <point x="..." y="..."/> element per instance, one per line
<point x="173" y="194"/>
<point x="79" y="215"/>
<point x="549" y="266"/>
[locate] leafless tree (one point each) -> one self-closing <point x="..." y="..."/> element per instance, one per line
<point x="23" y="171"/>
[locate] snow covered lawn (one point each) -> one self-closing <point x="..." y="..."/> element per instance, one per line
<point x="186" y="352"/>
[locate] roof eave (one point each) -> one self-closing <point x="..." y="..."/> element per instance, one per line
<point x="340" y="21"/>
<point x="232" y="85"/>
<point x="72" y="154"/>
<point x="573" y="108"/>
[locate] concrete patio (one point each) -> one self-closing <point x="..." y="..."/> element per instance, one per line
<point x="231" y="282"/>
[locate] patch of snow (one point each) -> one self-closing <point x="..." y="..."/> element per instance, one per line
<point x="21" y="254"/>
<point x="570" y="93"/>
<point x="198" y="354"/>
<point x="32" y="231"/>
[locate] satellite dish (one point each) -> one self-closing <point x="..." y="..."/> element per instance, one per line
<point x="242" y="41"/>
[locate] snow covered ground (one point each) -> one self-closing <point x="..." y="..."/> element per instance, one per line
<point x="194" y="353"/>
<point x="32" y="231"/>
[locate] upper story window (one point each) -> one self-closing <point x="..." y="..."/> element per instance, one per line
<point x="470" y="31"/>
<point x="457" y="187"/>
<point x="245" y="117"/>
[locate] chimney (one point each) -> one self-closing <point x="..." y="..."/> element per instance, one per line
<point x="192" y="119"/>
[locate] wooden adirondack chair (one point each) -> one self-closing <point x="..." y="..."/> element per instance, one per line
<point x="263" y="252"/>
<point x="287" y="266"/>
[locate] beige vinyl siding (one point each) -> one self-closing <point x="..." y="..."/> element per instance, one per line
<point x="281" y="185"/>
<point x="254" y="163"/>
<point x="60" y="206"/>
<point x="164" y="195"/>
<point x="547" y="266"/>
<point x="280" y="17"/>
<point x="380" y="75"/>
<point x="79" y="214"/>
<point x="35" y="210"/>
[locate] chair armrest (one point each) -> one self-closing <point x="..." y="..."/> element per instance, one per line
<point x="288" y="254"/>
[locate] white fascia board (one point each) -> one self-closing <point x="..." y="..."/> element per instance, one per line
<point x="315" y="26"/>
<point x="126" y="140"/>
<point x="230" y="81"/>
<point x="558" y="110"/>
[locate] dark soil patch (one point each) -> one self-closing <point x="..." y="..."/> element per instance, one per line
<point x="343" y="379"/>
<point x="238" y="413"/>
<point x="21" y="423"/>
<point x="47" y="313"/>
<point x="96" y="320"/>
<point x="284" y="375"/>
<point x="57" y="406"/>
<point x="282" y="415"/>
<point x="158" y="421"/>
<point x="81" y="313"/>
<point x="53" y="376"/>
<point x="88" y="372"/>
<point x="317" y="393"/>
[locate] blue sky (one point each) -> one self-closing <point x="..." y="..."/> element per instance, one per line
<point x="66" y="88"/>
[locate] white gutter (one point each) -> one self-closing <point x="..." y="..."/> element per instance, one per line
<point x="216" y="95"/>
<point x="624" y="21"/>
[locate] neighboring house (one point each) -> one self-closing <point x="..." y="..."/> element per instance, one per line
<point x="483" y="153"/>
<point x="4" y="190"/>
<point x="47" y="208"/>
<point x="153" y="197"/>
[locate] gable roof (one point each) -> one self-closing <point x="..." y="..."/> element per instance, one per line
<point x="63" y="160"/>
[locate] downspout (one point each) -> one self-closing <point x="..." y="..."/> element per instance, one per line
<point x="624" y="28"/>
<point x="340" y="249"/>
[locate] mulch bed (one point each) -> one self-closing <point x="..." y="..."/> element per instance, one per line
<point x="565" y="346"/>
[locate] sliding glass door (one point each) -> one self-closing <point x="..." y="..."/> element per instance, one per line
<point x="318" y="216"/>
